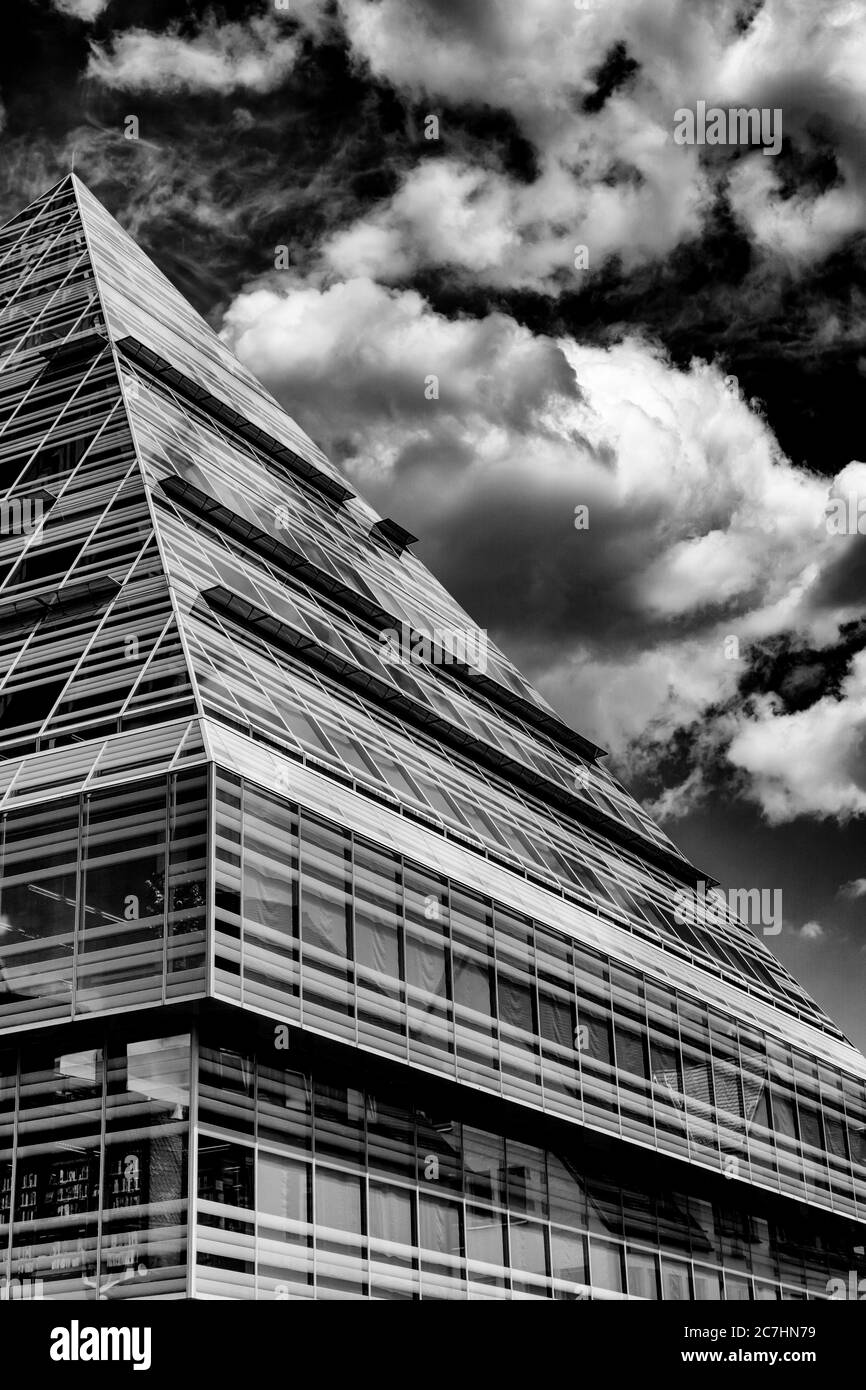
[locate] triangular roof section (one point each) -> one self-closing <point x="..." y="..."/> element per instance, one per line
<point x="151" y="323"/>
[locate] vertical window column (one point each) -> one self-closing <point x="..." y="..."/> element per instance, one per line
<point x="632" y="1061"/>
<point x="144" y="1224"/>
<point x="57" y="1183"/>
<point x="227" y="886"/>
<point x="518" y="1006"/>
<point x="326" y="928"/>
<point x="379" y="949"/>
<point x="474" y="988"/>
<point x="270" y="905"/>
<point x="557" y="1024"/>
<point x="38" y="894"/>
<point x="122" y="920"/>
<point x="428" y="970"/>
<point x="8" y="1087"/>
<point x="187" y="884"/>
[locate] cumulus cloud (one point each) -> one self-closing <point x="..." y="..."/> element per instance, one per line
<point x="855" y="888"/>
<point x="811" y="931"/>
<point x="81" y="9"/>
<point x="594" y="92"/>
<point x="449" y="213"/>
<point x="703" y="539"/>
<point x="812" y="761"/>
<point x="256" y="56"/>
<point x="803" y="227"/>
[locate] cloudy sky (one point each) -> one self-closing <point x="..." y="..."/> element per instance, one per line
<point x="669" y="335"/>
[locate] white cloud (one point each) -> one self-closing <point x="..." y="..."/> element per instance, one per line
<point x="611" y="179"/>
<point x="81" y="9"/>
<point x="812" y="761"/>
<point x="803" y="227"/>
<point x="856" y="888"/>
<point x="450" y="213"/>
<point x="811" y="931"/>
<point x="700" y="530"/>
<point x="255" y="56"/>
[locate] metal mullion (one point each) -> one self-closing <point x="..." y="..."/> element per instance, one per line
<point x="449" y="962"/>
<point x="80" y="887"/>
<point x="210" y="893"/>
<point x="169" y="792"/>
<point x="314" y="1184"/>
<point x="192" y="1160"/>
<point x="16" y="1100"/>
<point x="103" y="1138"/>
<point x="497" y="1033"/>
<point x="351" y="943"/>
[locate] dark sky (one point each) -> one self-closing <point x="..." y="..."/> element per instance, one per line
<point x="694" y="376"/>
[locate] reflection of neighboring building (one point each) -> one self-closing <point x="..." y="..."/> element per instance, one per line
<point x="326" y="973"/>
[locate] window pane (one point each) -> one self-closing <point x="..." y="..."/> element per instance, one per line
<point x="675" y="1281"/>
<point x="270" y="863"/>
<point x="378" y="911"/>
<point x="642" y="1274"/>
<point x="484" y="1157"/>
<point x="485" y="1237"/>
<point x="391" y="1214"/>
<point x="606" y="1266"/>
<point x="568" y="1257"/>
<point x="326" y="887"/>
<point x="225" y="1173"/>
<point x="338" y="1201"/>
<point x="528" y="1247"/>
<point x="283" y="1188"/>
<point x="439" y="1226"/>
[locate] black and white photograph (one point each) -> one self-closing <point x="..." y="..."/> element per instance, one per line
<point x="432" y="667"/>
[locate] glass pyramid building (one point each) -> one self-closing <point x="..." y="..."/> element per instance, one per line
<point x="332" y="963"/>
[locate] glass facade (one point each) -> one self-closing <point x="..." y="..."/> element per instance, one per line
<point x="315" y="1181"/>
<point x="319" y="1178"/>
<point x="94" y="1170"/>
<point x="103" y="900"/>
<point x="372" y="956"/>
<point x="322" y="928"/>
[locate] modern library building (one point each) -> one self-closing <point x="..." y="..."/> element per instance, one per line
<point x="334" y="966"/>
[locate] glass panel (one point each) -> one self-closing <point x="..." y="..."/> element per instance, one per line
<point x="428" y="962"/>
<point x="676" y="1284"/>
<point x="474" y="986"/>
<point x="38" y="894"/>
<point x="606" y="1266"/>
<point x="144" y="1203"/>
<point x="568" y="1259"/>
<point x="270" y="903"/>
<point x="379" y="949"/>
<point x="485" y="1246"/>
<point x="57" y="1184"/>
<point x="122" y="921"/>
<point x="484" y="1159"/>
<point x="326" y="921"/>
<point x="642" y="1274"/>
<point x="327" y="887"/>
<point x="187" y="883"/>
